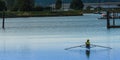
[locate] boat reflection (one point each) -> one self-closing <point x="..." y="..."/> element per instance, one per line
<point x="87" y="53"/>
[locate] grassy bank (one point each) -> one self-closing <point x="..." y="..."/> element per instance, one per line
<point x="11" y="14"/>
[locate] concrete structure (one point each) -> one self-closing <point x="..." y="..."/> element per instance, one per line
<point x="110" y="5"/>
<point x="107" y="5"/>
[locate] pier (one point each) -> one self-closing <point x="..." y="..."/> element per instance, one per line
<point x="113" y="25"/>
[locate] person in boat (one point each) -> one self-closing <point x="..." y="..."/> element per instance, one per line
<point x="87" y="43"/>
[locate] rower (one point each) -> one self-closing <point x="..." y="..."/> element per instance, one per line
<point x="87" y="43"/>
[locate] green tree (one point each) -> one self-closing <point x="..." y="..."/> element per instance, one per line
<point x="77" y="5"/>
<point x="2" y="5"/>
<point x="118" y="5"/>
<point x="38" y="8"/>
<point x="24" y="5"/>
<point x="98" y="8"/>
<point x="58" y="4"/>
<point x="88" y="7"/>
<point x="10" y="4"/>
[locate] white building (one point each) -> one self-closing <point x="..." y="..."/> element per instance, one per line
<point x="65" y="7"/>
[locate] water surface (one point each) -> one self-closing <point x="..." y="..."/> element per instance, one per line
<point x="45" y="38"/>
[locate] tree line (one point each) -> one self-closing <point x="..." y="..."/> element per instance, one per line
<point x="2" y="5"/>
<point x="29" y="5"/>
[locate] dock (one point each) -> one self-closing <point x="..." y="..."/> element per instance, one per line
<point x="113" y="25"/>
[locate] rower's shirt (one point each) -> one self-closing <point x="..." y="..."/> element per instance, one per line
<point x="87" y="43"/>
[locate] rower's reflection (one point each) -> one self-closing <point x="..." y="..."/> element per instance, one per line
<point x="88" y="53"/>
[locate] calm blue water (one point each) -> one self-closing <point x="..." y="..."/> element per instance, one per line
<point x="45" y="38"/>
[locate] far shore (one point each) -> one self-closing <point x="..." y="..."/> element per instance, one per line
<point x="41" y="16"/>
<point x="17" y="14"/>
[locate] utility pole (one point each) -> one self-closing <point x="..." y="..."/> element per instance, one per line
<point x="108" y="19"/>
<point x="114" y="18"/>
<point x="3" y="22"/>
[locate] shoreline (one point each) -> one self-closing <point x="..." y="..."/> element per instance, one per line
<point x="40" y="14"/>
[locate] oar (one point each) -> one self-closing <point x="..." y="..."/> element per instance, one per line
<point x="90" y="44"/>
<point x="102" y="46"/>
<point x="73" y="47"/>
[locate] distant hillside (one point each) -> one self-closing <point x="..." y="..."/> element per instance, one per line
<point x="48" y="2"/>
